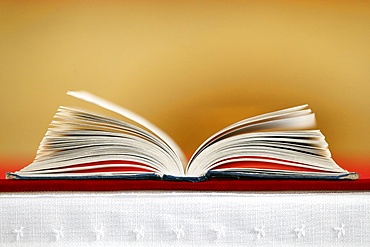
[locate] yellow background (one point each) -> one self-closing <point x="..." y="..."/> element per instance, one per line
<point x="190" y="67"/>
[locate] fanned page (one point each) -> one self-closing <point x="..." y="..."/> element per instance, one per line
<point x="81" y="144"/>
<point x="132" y="116"/>
<point x="279" y="144"/>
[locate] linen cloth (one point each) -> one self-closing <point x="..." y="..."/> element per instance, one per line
<point x="182" y="218"/>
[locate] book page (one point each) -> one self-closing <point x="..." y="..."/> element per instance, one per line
<point x="295" y="118"/>
<point x="88" y="97"/>
<point x="78" y="140"/>
<point x="248" y="152"/>
<point x="292" y="118"/>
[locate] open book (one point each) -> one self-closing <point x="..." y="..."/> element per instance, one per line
<point x="81" y="144"/>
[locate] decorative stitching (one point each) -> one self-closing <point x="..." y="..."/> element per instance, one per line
<point x="300" y="231"/>
<point x="19" y="233"/>
<point x="58" y="233"/>
<point x="99" y="233"/>
<point x="139" y="232"/>
<point x="220" y="232"/>
<point x="260" y="232"/>
<point x="179" y="232"/>
<point x="340" y="231"/>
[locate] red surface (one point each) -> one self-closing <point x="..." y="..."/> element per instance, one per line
<point x="359" y="165"/>
<point x="211" y="185"/>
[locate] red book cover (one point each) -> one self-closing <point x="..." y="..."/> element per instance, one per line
<point x="359" y="165"/>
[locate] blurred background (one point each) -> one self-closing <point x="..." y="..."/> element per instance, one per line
<point x="190" y="67"/>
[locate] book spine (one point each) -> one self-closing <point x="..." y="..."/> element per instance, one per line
<point x="184" y="179"/>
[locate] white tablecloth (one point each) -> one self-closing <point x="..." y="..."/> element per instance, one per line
<point x="184" y="219"/>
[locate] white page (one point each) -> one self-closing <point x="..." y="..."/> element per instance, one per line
<point x="298" y="117"/>
<point x="88" y="97"/>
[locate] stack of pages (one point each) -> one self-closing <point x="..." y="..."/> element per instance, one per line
<point x="85" y="145"/>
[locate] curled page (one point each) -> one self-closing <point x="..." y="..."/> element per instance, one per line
<point x="299" y="117"/>
<point x="88" y="97"/>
